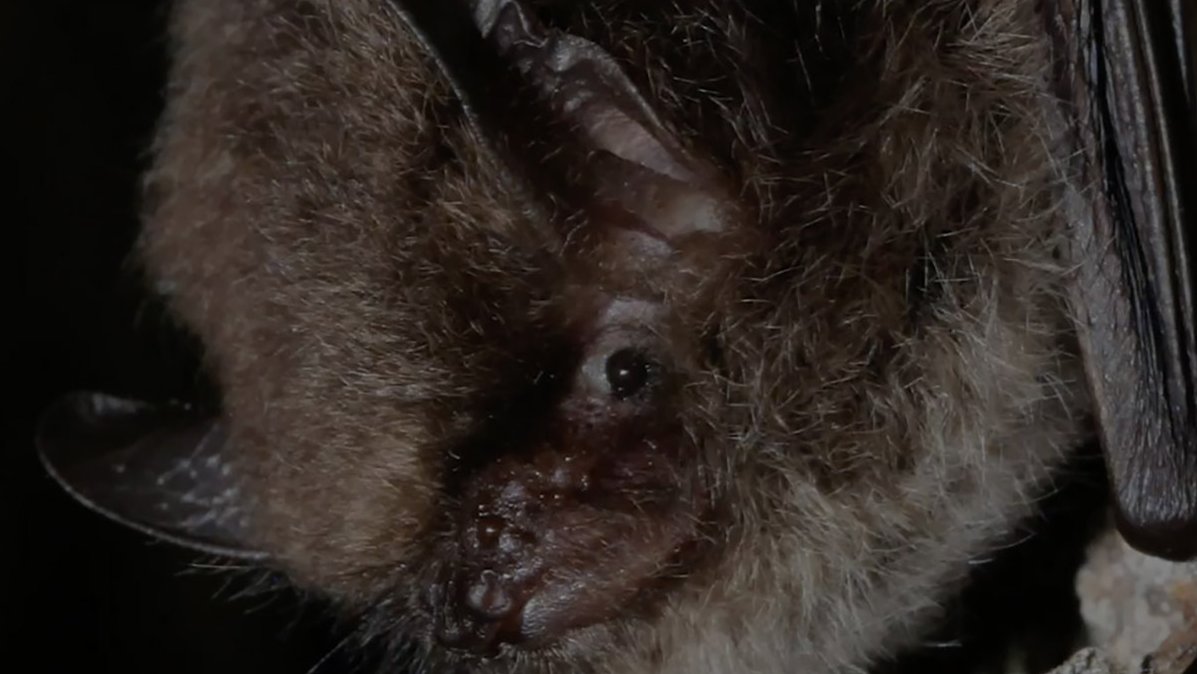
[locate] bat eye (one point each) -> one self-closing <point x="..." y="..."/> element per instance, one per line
<point x="628" y="371"/>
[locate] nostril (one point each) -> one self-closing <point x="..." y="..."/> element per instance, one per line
<point x="479" y="610"/>
<point x="488" y="597"/>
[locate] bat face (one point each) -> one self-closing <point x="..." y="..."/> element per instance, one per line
<point x="613" y="337"/>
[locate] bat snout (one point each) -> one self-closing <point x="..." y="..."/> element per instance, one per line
<point x="481" y="612"/>
<point x="558" y="540"/>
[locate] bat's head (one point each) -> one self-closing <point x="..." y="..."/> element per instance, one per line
<point x="533" y="355"/>
<point x="541" y="459"/>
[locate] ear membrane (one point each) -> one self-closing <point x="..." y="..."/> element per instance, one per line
<point x="161" y="469"/>
<point x="586" y="87"/>
<point x="559" y="108"/>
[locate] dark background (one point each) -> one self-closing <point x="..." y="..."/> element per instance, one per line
<point x="84" y="80"/>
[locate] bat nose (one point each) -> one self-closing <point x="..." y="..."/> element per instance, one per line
<point x="488" y="597"/>
<point x="561" y="537"/>
<point x="482" y="611"/>
<point x="501" y="556"/>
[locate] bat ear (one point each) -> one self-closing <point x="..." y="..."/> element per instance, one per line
<point x="161" y="469"/>
<point x="558" y="107"/>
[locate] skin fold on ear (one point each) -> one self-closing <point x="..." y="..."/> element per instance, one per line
<point x="161" y="469"/>
<point x="595" y="143"/>
<point x="1128" y="76"/>
<point x="584" y="84"/>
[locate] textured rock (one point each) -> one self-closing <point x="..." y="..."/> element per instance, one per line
<point x="1088" y="661"/>
<point x="1140" y="611"/>
<point x="1177" y="655"/>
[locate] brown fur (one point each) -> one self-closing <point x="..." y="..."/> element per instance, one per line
<point x="896" y="381"/>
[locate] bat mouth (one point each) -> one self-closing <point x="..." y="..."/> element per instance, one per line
<point x="583" y="528"/>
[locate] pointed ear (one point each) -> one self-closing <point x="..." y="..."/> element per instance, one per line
<point x="561" y="110"/>
<point x="584" y="85"/>
<point x="160" y="469"/>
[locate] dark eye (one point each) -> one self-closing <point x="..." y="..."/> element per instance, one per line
<point x="628" y="371"/>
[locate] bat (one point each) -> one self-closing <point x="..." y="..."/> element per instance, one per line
<point x="658" y="337"/>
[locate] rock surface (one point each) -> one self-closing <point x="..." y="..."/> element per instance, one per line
<point x="1140" y="613"/>
<point x="1088" y="661"/>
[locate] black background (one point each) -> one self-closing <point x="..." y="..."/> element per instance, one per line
<point x="84" y="80"/>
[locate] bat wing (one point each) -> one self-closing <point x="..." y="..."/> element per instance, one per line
<point x="159" y="469"/>
<point x="1125" y="70"/>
